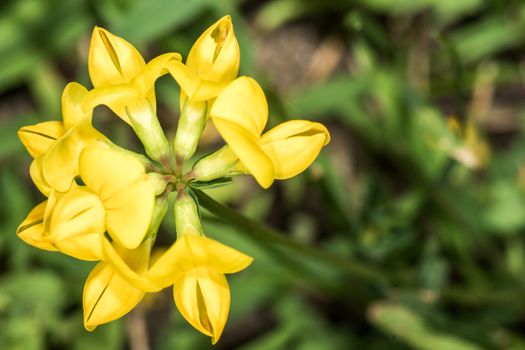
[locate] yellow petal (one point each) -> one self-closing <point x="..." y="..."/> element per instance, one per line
<point x="115" y="97"/>
<point x="123" y="187"/>
<point x="294" y="145"/>
<point x="296" y="128"/>
<point x="107" y="296"/>
<point x="129" y="213"/>
<point x="215" y="55"/>
<point x="243" y="103"/>
<point x="249" y="150"/>
<point x="77" y="224"/>
<point x="192" y="86"/>
<point x="35" y="172"/>
<point x="172" y="263"/>
<point x="225" y="259"/>
<point x="60" y="163"/>
<point x="107" y="171"/>
<point x="112" y="60"/>
<point x="131" y="264"/>
<point x="72" y="112"/>
<point x="203" y="298"/>
<point x="39" y="137"/>
<point x="191" y="251"/>
<point x="155" y="68"/>
<point x="32" y="230"/>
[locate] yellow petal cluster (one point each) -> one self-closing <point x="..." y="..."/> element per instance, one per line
<point x="105" y="204"/>
<point x="240" y="114"/>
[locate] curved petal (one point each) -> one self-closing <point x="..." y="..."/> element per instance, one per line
<point x="107" y="171"/>
<point x="35" y="172"/>
<point x="129" y="213"/>
<point x="243" y="103"/>
<point x="249" y="150"/>
<point x="157" y="67"/>
<point x="32" y="230"/>
<point x="185" y="254"/>
<point x="203" y="298"/>
<point x="72" y="112"/>
<point x="191" y="85"/>
<point x="115" y="97"/>
<point x="107" y="296"/>
<point x="293" y="146"/>
<point x="77" y="224"/>
<point x="60" y="163"/>
<point x="131" y="264"/>
<point x="216" y="298"/>
<point x="112" y="60"/>
<point x="215" y="56"/>
<point x="39" y="137"/>
<point x="225" y="259"/>
<point x="125" y="191"/>
<point x="293" y="128"/>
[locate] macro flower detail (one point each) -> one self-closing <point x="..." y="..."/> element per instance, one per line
<point x="105" y="203"/>
<point x="56" y="146"/>
<point x="195" y="265"/>
<point x="240" y="114"/>
<point x="212" y="63"/>
<point x="125" y="83"/>
<point x="121" y="184"/>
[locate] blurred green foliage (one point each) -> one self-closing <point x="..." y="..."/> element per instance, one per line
<point x="423" y="181"/>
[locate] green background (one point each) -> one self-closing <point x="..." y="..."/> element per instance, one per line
<point x="422" y="186"/>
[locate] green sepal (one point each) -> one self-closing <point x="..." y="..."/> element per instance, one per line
<point x="222" y="181"/>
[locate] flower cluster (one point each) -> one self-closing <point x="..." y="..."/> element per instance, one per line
<point x="105" y="203"/>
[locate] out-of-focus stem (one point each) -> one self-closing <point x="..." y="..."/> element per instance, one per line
<point x="269" y="235"/>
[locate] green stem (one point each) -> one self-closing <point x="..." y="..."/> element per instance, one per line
<point x="266" y="234"/>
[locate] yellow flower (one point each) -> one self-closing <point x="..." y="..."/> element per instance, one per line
<point x="56" y="146"/>
<point x="32" y="229"/>
<point x="71" y="222"/>
<point x="108" y="295"/>
<point x="240" y="114"/>
<point x="122" y="185"/>
<point x="196" y="265"/>
<point x="125" y="83"/>
<point x="212" y="63"/>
